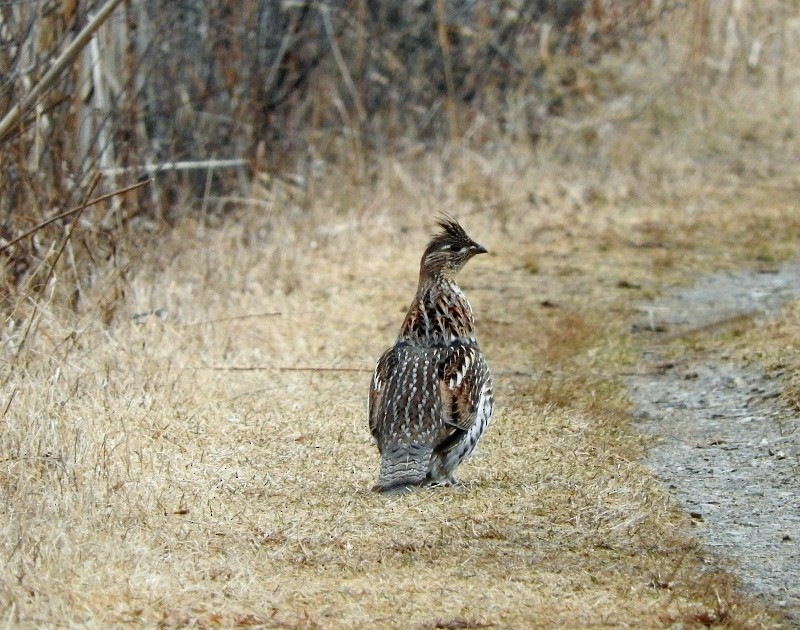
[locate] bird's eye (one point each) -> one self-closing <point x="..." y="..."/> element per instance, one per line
<point x="454" y="248"/>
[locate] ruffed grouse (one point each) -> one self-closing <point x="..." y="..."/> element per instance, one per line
<point x="430" y="399"/>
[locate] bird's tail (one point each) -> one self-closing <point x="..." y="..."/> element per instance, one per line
<point x="403" y="465"/>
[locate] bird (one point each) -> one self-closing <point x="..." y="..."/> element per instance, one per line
<point x="431" y="395"/>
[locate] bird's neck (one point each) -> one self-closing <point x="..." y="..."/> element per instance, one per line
<point x="439" y="315"/>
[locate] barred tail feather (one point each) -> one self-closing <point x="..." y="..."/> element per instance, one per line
<point x="403" y="465"/>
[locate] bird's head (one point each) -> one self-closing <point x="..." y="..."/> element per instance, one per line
<point x="449" y="250"/>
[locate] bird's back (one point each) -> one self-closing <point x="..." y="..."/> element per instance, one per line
<point x="429" y="407"/>
<point x="405" y="413"/>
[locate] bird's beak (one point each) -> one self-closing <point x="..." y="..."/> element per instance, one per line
<point x="479" y="249"/>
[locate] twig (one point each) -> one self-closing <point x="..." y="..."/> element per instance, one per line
<point x="26" y="124"/>
<point x="279" y="368"/>
<point x="234" y="317"/>
<point x="8" y="404"/>
<point x="276" y="65"/>
<point x="60" y="64"/>
<point x="175" y="166"/>
<point x="738" y="319"/>
<point x="80" y="208"/>
<point x="324" y="9"/>
<point x="60" y="251"/>
<point x="320" y="369"/>
<point x="267" y="205"/>
<point x="444" y="44"/>
<point x="105" y="150"/>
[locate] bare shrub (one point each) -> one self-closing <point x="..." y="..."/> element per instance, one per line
<point x="205" y="95"/>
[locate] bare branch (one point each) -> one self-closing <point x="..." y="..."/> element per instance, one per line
<point x="176" y="166"/>
<point x="79" y="208"/>
<point x="234" y="317"/>
<point x="279" y="368"/>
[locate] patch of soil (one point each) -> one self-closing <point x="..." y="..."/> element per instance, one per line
<point x="726" y="449"/>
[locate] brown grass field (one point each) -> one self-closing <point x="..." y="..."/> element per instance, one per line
<point x="204" y="459"/>
<point x="189" y="447"/>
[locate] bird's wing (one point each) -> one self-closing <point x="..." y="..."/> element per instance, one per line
<point x="387" y="364"/>
<point x="461" y="377"/>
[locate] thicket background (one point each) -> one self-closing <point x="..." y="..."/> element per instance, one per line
<point x="280" y="91"/>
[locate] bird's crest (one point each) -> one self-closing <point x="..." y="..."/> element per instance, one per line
<point x="451" y="229"/>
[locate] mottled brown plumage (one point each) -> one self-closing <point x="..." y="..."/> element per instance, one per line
<point x="431" y="395"/>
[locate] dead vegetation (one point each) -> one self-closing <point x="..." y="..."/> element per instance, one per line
<point x="185" y="444"/>
<point x="774" y="345"/>
<point x="169" y="469"/>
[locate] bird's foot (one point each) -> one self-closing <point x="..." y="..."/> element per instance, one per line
<point x="446" y="482"/>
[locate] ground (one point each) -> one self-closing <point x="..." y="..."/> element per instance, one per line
<point x="200" y="456"/>
<point x="728" y="448"/>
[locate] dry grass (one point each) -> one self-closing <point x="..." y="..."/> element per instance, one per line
<point x="775" y="345"/>
<point x="174" y="469"/>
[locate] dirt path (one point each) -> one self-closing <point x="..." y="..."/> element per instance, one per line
<point x="726" y="449"/>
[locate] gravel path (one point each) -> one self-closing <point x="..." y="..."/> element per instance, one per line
<point x="727" y="450"/>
